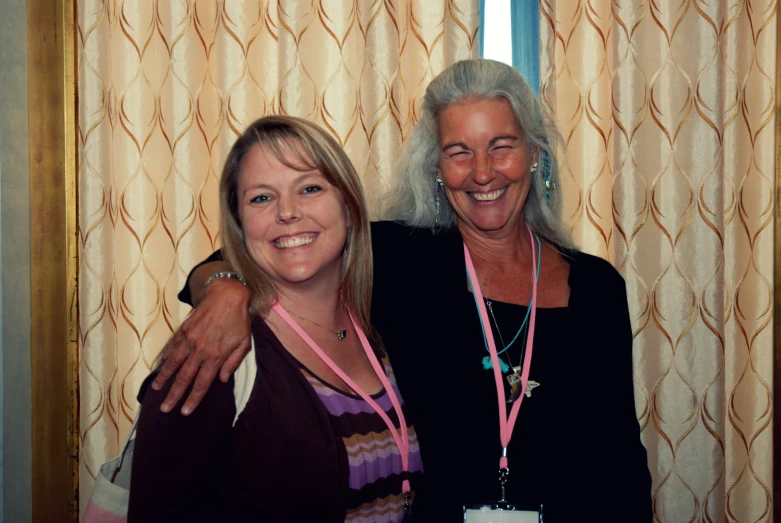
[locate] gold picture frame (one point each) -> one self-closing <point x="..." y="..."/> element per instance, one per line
<point x="51" y="46"/>
<point x="777" y="290"/>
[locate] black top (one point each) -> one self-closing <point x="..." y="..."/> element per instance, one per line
<point x="576" y="445"/>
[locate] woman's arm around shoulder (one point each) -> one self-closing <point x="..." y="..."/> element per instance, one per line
<point x="215" y="337"/>
<point x="177" y="460"/>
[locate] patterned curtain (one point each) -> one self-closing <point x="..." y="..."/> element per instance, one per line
<point x="667" y="111"/>
<point x="164" y="90"/>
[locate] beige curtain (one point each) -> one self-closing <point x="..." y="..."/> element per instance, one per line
<point x="667" y="110"/>
<point x="164" y="90"/>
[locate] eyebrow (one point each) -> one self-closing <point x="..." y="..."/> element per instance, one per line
<point x="303" y="176"/>
<point x="492" y="142"/>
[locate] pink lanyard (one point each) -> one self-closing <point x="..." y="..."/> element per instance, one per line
<point x="506" y="425"/>
<point x="403" y="441"/>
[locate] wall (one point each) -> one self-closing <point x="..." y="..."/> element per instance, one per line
<point x="15" y="320"/>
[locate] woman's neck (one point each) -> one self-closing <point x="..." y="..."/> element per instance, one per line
<point x="503" y="262"/>
<point x="499" y="251"/>
<point x="321" y="305"/>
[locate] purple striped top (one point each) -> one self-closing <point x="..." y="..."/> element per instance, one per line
<point x="376" y="473"/>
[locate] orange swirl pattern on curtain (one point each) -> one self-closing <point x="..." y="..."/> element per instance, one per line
<point x="164" y="89"/>
<point x="667" y="111"/>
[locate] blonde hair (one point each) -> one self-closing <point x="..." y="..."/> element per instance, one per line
<point x="296" y="142"/>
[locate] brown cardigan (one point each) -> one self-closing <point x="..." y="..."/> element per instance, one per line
<point x="280" y="462"/>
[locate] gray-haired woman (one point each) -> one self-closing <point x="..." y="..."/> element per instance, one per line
<point x="493" y="321"/>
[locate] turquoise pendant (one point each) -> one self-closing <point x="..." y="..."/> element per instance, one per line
<point x="488" y="364"/>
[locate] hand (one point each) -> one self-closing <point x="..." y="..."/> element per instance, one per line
<point x="216" y="336"/>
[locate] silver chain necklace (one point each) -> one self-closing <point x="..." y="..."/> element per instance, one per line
<point x="516" y="369"/>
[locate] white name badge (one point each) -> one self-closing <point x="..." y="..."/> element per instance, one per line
<point x="490" y="514"/>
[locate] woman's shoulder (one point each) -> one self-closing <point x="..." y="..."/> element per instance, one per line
<point x="398" y="230"/>
<point x="394" y="242"/>
<point x="393" y="233"/>
<point x="587" y="269"/>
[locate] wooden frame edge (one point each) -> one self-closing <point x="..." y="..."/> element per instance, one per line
<point x="53" y="258"/>
<point x="70" y="117"/>
<point x="777" y="289"/>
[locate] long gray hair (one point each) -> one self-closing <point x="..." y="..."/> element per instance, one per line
<point x="413" y="191"/>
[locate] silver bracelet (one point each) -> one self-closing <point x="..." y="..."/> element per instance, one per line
<point x="229" y="275"/>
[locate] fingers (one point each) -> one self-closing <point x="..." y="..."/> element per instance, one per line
<point x="168" y="349"/>
<point x="202" y="383"/>
<point x="175" y="353"/>
<point x="204" y="345"/>
<point x="233" y="362"/>
<point x="183" y="379"/>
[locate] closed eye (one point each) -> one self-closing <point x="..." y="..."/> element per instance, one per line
<point x="501" y="148"/>
<point x="459" y="154"/>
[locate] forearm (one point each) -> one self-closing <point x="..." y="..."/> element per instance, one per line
<point x="214" y="338"/>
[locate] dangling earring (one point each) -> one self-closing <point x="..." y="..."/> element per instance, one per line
<point x="550" y="185"/>
<point x="438" y="190"/>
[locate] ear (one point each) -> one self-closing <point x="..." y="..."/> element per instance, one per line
<point x="348" y="217"/>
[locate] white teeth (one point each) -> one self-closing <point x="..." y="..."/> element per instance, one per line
<point x="294" y="241"/>
<point x="487" y="196"/>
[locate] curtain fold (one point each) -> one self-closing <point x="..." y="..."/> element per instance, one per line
<point x="164" y="90"/>
<point x="667" y="113"/>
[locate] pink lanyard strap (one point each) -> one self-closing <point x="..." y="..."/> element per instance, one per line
<point x="401" y="442"/>
<point x="506" y="425"/>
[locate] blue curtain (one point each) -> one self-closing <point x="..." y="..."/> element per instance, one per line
<point x="525" y="21"/>
<point x="481" y="29"/>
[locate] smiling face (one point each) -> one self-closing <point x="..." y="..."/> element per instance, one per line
<point x="294" y="221"/>
<point x="484" y="165"/>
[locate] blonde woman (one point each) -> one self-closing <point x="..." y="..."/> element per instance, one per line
<point x="324" y="435"/>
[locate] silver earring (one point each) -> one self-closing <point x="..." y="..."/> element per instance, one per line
<point x="534" y="167"/>
<point x="439" y="189"/>
<point x="550" y="185"/>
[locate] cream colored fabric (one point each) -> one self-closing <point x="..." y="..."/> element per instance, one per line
<point x="667" y="110"/>
<point x="164" y="89"/>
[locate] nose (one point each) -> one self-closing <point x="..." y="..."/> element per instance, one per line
<point x="482" y="172"/>
<point x="287" y="210"/>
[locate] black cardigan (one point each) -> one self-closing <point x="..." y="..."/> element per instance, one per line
<point x="576" y="448"/>
<point x="580" y="455"/>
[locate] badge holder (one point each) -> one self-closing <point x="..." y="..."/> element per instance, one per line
<point x="500" y="511"/>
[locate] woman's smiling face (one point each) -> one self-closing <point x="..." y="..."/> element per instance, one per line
<point x="484" y="164"/>
<point x="294" y="221"/>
